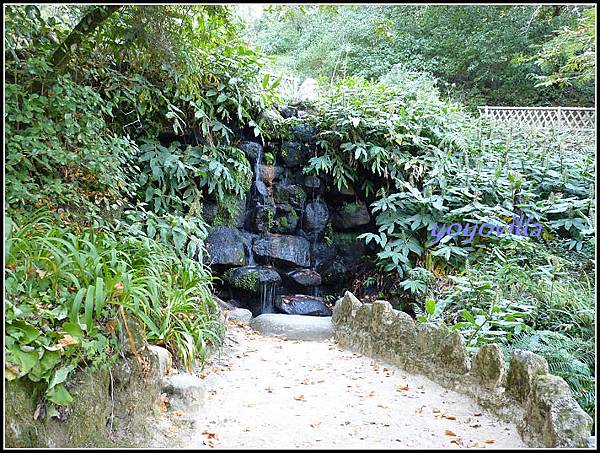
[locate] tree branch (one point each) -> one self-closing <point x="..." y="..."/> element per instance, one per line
<point x="86" y="25"/>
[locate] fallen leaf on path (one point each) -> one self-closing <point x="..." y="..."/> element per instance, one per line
<point x="178" y="413"/>
<point x="489" y="441"/>
<point x="315" y="424"/>
<point x="449" y="417"/>
<point x="419" y="409"/>
<point x="299" y="398"/>
<point x="402" y="387"/>
<point x="450" y="433"/>
<point x="209" y="435"/>
<point x="435" y="410"/>
<point x="455" y="441"/>
<point x="477" y="414"/>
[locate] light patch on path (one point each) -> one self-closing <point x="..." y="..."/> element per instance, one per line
<point x="266" y="392"/>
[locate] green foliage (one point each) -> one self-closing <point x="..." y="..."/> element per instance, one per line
<point x="472" y="49"/>
<point x="573" y="359"/>
<point x="570" y="56"/>
<point x="64" y="288"/>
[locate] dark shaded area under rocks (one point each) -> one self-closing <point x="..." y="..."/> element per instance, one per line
<point x="291" y="240"/>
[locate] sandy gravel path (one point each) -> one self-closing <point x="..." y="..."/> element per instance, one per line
<point x="268" y="392"/>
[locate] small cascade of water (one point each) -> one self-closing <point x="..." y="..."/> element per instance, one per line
<point x="317" y="291"/>
<point x="267" y="297"/>
<point x="257" y="166"/>
<point x="248" y="247"/>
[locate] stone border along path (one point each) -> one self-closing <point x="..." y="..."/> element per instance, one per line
<point x="269" y="392"/>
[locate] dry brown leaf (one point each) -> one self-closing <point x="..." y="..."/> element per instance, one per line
<point x="67" y="340"/>
<point x="489" y="441"/>
<point x="209" y="435"/>
<point x="419" y="409"/>
<point x="477" y="414"/>
<point x="402" y="387"/>
<point x="449" y="417"/>
<point x="178" y="413"/>
<point x="299" y="398"/>
<point x="450" y="433"/>
<point x="315" y="424"/>
<point x="435" y="410"/>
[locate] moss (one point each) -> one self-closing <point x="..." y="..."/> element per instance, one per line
<point x="229" y="210"/>
<point x="283" y="222"/>
<point x="249" y="281"/>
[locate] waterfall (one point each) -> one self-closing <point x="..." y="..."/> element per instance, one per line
<point x="257" y="166"/>
<point x="267" y="297"/>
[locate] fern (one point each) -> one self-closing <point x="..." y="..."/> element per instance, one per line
<point x="570" y="358"/>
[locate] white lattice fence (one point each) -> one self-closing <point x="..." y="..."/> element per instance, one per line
<point x="573" y="118"/>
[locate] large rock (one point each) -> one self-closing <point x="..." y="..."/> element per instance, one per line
<point x="186" y="393"/>
<point x="315" y="216"/>
<point x="289" y="194"/>
<point x="553" y="412"/>
<point x="292" y="153"/>
<point x="252" y="150"/>
<point x="289" y="249"/>
<point x="524" y="367"/>
<point x="294" y="327"/>
<point x="305" y="277"/>
<point x="304" y="132"/>
<point x="488" y="365"/>
<point x="249" y="278"/>
<point x="301" y="304"/>
<point x="239" y="314"/>
<point x="351" y="215"/>
<point x="286" y="219"/>
<point x="225" y="246"/>
<point x="269" y="173"/>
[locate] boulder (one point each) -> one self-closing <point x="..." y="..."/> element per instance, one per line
<point x="488" y="366"/>
<point x="290" y="194"/>
<point x="286" y="219"/>
<point x="263" y="218"/>
<point x="300" y="304"/>
<point x="249" y="278"/>
<point x="524" y="367"/>
<point x="305" y="277"/>
<point x="289" y="249"/>
<point x="294" y="327"/>
<point x="304" y="132"/>
<point x="553" y="413"/>
<point x="251" y="149"/>
<point x="292" y="153"/>
<point x="288" y="112"/>
<point x="239" y="314"/>
<point x="165" y="360"/>
<point x="186" y="393"/>
<point x="316" y="215"/>
<point x="452" y="353"/>
<point x="351" y="215"/>
<point x="225" y="246"/>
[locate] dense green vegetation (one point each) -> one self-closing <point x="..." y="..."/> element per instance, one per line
<point x="482" y="55"/>
<point x="101" y="218"/>
<point x="115" y="139"/>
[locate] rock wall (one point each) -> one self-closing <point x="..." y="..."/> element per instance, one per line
<point x="539" y="403"/>
<point x="292" y="237"/>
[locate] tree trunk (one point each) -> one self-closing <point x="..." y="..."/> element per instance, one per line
<point x="86" y="25"/>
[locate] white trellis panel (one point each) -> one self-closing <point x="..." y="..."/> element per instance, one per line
<point x="571" y="118"/>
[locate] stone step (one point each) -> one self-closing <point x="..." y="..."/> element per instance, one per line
<point x="294" y="327"/>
